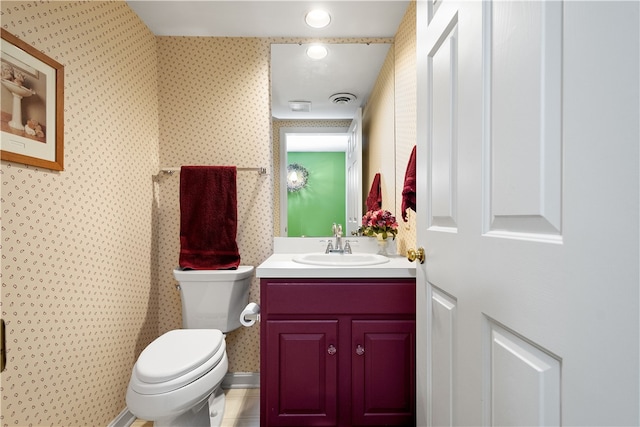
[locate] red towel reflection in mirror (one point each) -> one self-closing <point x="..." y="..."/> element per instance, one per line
<point x="409" y="188"/>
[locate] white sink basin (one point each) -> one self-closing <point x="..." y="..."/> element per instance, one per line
<point x="337" y="260"/>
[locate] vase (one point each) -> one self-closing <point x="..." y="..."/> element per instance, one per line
<point x="382" y="246"/>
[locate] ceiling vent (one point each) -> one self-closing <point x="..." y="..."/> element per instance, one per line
<point x="342" y="98"/>
<point x="300" y="106"/>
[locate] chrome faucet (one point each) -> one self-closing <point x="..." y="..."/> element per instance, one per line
<point x="337" y="233"/>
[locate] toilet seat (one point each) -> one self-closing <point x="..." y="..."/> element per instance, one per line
<point x="176" y="359"/>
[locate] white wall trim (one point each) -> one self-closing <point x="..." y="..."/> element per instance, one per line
<point x="241" y="380"/>
<point x="124" y="419"/>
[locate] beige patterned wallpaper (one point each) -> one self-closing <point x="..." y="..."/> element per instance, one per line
<point x="215" y="111"/>
<point x="87" y="253"/>
<point x="79" y="276"/>
<point x="378" y="124"/>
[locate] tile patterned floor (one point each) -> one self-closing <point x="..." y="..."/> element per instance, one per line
<point x="242" y="409"/>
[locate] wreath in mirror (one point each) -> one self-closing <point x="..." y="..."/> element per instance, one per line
<point x="297" y="177"/>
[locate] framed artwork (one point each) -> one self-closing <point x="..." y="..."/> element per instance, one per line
<point x="32" y="105"/>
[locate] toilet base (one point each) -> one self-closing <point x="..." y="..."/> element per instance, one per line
<point x="208" y="413"/>
<point x="216" y="407"/>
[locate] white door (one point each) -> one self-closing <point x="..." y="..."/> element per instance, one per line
<point x="354" y="174"/>
<point x="528" y="211"/>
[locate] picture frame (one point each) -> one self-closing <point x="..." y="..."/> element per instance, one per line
<point x="32" y="105"/>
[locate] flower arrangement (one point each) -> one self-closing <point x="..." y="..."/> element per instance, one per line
<point x="380" y="223"/>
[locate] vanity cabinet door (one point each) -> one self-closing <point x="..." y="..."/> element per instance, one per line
<point x="303" y="373"/>
<point x="383" y="372"/>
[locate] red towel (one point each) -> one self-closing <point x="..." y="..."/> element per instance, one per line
<point x="374" y="201"/>
<point x="409" y="189"/>
<point x="208" y="218"/>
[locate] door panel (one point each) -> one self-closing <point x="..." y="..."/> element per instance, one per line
<point x="523" y="137"/>
<point x="443" y="62"/>
<point x="442" y="352"/>
<point x="523" y="381"/>
<point x="354" y="175"/>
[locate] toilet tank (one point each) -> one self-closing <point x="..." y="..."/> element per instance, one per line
<point x="213" y="299"/>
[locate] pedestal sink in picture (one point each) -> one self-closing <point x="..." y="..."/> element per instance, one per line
<point x="18" y="93"/>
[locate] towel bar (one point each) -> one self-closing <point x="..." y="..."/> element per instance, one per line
<point x="261" y="171"/>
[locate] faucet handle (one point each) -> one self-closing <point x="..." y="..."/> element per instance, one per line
<point x="347" y="248"/>
<point x="329" y="247"/>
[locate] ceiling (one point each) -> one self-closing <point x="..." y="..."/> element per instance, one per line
<point x="349" y="68"/>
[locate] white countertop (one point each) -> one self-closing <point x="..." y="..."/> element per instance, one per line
<point x="281" y="264"/>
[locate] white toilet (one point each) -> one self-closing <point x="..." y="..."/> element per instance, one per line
<point x="176" y="380"/>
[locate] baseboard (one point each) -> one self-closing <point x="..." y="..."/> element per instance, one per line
<point x="124" y="419"/>
<point x="241" y="380"/>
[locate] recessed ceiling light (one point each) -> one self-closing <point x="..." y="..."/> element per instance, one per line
<point x="317" y="51"/>
<point x="317" y="18"/>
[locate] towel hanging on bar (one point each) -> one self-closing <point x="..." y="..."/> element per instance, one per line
<point x="208" y="218"/>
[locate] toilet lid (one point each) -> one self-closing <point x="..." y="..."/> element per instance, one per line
<point x="177" y="353"/>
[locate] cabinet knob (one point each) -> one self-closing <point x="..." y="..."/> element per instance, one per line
<point x="413" y="254"/>
<point x="332" y="350"/>
<point x="359" y="350"/>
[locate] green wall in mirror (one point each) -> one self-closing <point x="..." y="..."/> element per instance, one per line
<point x="313" y="209"/>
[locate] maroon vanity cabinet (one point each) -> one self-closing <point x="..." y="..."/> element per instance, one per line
<point x="337" y="352"/>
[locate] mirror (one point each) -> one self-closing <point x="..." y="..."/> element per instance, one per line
<point x="319" y="99"/>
